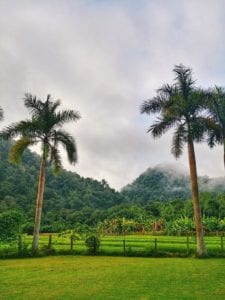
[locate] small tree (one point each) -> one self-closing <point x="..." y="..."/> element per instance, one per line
<point x="93" y="243"/>
<point x="10" y="224"/>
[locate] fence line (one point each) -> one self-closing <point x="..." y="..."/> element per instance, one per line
<point x="119" y="245"/>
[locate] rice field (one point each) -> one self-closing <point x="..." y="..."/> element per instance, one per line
<point x="130" y="245"/>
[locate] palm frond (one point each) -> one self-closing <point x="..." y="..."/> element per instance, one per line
<point x="216" y="109"/>
<point x="200" y="126"/>
<point x="161" y="126"/>
<point x="68" y="143"/>
<point x="18" y="148"/>
<point x="183" y="76"/>
<point x="1" y="114"/>
<point x="159" y="102"/>
<point x="66" y="116"/>
<point x="55" y="160"/>
<point x="167" y="90"/>
<point x="25" y="128"/>
<point x="183" y="79"/>
<point x="54" y="105"/>
<point x="153" y="105"/>
<point x="214" y="138"/>
<point x="217" y="105"/>
<point x="179" y="138"/>
<point x="33" y="104"/>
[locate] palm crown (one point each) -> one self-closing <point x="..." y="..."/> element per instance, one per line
<point x="180" y="106"/>
<point x="45" y="127"/>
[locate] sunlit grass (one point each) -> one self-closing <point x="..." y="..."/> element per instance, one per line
<point x="82" y="277"/>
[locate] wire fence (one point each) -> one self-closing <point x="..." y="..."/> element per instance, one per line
<point x="50" y="244"/>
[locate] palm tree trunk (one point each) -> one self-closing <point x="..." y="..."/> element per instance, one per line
<point x="201" y="250"/>
<point x="39" y="202"/>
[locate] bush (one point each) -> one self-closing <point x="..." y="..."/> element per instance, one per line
<point x="28" y="228"/>
<point x="93" y="243"/>
<point x="10" y="225"/>
<point x="182" y="225"/>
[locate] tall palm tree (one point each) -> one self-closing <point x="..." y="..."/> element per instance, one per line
<point x="216" y="128"/>
<point x="180" y="106"/>
<point x="44" y="127"/>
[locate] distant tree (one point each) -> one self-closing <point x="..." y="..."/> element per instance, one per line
<point x="44" y="127"/>
<point x="180" y="106"/>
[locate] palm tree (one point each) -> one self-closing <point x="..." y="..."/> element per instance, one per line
<point x="216" y="128"/>
<point x="180" y="106"/>
<point x="44" y="127"/>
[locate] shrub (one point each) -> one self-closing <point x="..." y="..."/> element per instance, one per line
<point x="182" y="225"/>
<point x="92" y="242"/>
<point x="10" y="225"/>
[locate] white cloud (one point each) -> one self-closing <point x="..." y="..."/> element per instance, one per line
<point x="104" y="58"/>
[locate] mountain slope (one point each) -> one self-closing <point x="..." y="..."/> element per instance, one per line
<point x="67" y="196"/>
<point x="70" y="198"/>
<point x="162" y="183"/>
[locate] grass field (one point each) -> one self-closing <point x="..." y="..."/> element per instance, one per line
<point x="140" y="245"/>
<point x="82" y="277"/>
<point x="134" y="245"/>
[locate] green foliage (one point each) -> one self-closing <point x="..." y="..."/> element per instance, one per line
<point x="183" y="225"/>
<point x="211" y="224"/>
<point x="92" y="242"/>
<point x="69" y="198"/>
<point x="10" y="224"/>
<point x="81" y="204"/>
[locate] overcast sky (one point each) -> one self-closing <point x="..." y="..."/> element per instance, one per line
<point x="103" y="58"/>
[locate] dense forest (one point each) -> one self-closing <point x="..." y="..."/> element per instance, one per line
<point x="71" y="200"/>
<point x="165" y="183"/>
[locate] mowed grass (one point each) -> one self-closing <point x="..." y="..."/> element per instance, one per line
<point x="82" y="277"/>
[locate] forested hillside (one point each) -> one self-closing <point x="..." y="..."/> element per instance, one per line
<point x="164" y="183"/>
<point x="71" y="199"/>
<point x="68" y="196"/>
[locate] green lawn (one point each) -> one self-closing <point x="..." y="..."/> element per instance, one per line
<point x="82" y="277"/>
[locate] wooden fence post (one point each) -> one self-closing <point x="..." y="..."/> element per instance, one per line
<point x="20" y="244"/>
<point x="156" y="246"/>
<point x="221" y="241"/>
<point x="124" y="247"/>
<point x="71" y="242"/>
<point x="49" y="241"/>
<point x="188" y="245"/>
